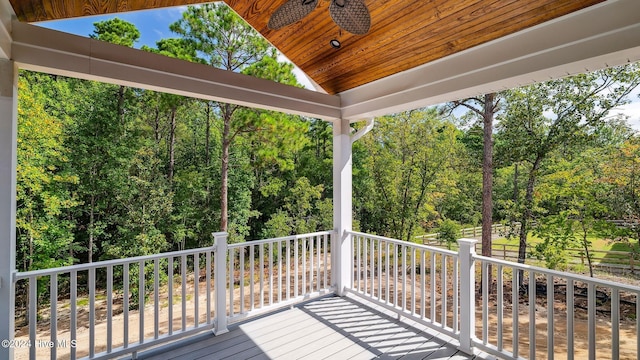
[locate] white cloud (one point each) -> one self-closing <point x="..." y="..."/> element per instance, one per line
<point x="632" y="111"/>
<point x="179" y="10"/>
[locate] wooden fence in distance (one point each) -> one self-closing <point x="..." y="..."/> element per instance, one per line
<point x="612" y="261"/>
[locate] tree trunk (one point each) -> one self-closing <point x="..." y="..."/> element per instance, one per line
<point x="516" y="192"/>
<point x="121" y="108"/>
<point x="586" y="246"/>
<point x="30" y="242"/>
<point x="207" y="137"/>
<point x="172" y="145"/>
<point x="487" y="180"/>
<point x="156" y="127"/>
<point x="91" y="228"/>
<point x="226" y="142"/>
<point x="527" y="212"/>
<point x="207" y="151"/>
<point x="487" y="174"/>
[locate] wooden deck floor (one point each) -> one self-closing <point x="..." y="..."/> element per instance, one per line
<point x="327" y="328"/>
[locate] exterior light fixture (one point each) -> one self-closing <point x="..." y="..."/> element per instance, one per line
<point x="335" y="43"/>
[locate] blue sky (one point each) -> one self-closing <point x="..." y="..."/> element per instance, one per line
<point x="152" y="24"/>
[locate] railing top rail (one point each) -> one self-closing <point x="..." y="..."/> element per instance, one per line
<point x="561" y="274"/>
<point x="402" y="242"/>
<point x="105" y="263"/>
<point x="284" y="238"/>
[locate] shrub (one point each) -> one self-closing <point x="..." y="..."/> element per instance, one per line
<point x="448" y="232"/>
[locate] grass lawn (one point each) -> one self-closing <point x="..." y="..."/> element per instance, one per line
<point x="597" y="243"/>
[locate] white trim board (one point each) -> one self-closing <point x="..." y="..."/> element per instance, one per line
<point x="55" y="52"/>
<point x="602" y="35"/>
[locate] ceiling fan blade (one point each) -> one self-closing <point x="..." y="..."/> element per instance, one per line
<point x="290" y="12"/>
<point x="351" y="15"/>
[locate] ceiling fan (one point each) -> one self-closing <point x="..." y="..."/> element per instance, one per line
<point x="350" y="15"/>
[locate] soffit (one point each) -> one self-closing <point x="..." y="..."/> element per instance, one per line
<point x="404" y="34"/>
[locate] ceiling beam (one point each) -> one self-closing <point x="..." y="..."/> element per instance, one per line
<point x="603" y="35"/>
<point x="39" y="49"/>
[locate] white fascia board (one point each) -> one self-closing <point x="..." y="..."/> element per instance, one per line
<point x="6" y="16"/>
<point x="50" y="51"/>
<point x="603" y="35"/>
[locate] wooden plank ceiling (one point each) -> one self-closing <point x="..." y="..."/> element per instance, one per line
<point x="404" y="34"/>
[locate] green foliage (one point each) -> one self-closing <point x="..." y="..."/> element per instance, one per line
<point x="408" y="169"/>
<point x="622" y="173"/>
<point x="45" y="182"/>
<point x="222" y="39"/>
<point x="449" y="232"/>
<point x="116" y="31"/>
<point x="217" y="31"/>
<point x="557" y="234"/>
<point x="108" y="171"/>
<point x="303" y="211"/>
<point x="557" y="118"/>
<point x="147" y="203"/>
<point x="178" y="48"/>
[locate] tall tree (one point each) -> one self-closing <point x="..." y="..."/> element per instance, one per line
<point x="485" y="108"/>
<point x="410" y="168"/>
<point x="116" y="31"/>
<point x="622" y="171"/>
<point x="119" y="32"/>
<point x="45" y="181"/>
<point x="575" y="205"/>
<point x="181" y="49"/>
<point x="227" y="42"/>
<point x="100" y="139"/>
<point x="558" y="115"/>
<point x="100" y="153"/>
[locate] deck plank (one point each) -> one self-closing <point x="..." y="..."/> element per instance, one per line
<point x="325" y="328"/>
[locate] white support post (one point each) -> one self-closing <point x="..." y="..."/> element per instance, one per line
<point x="220" y="282"/>
<point x="466" y="253"/>
<point x="342" y="206"/>
<point x="8" y="148"/>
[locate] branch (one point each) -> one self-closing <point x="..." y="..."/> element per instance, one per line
<point x="464" y="103"/>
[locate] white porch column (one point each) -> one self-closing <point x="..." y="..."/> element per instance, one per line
<point x="8" y="133"/>
<point x="342" y="206"/>
<point x="220" y="281"/>
<point x="466" y="252"/>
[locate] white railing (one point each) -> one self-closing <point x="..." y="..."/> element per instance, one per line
<point x="125" y="305"/>
<point x="278" y="272"/>
<point x="112" y="308"/>
<point x="565" y="305"/>
<point x="415" y="281"/>
<point x="556" y="313"/>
